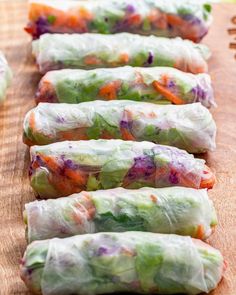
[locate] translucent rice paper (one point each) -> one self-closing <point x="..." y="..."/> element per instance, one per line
<point x="190" y="127"/>
<point x="67" y="167"/>
<point x="121" y="262"/>
<point x="186" y="18"/>
<point x="157" y="84"/>
<point x="5" y="76"/>
<point x="175" y="210"/>
<point x="88" y="51"/>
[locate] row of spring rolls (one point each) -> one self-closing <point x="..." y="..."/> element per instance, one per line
<point x="150" y="251"/>
<point x="188" y="19"/>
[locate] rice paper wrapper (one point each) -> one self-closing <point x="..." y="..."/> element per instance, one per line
<point x="89" y="51"/>
<point x="176" y="210"/>
<point x="190" y="127"/>
<point x="121" y="262"/>
<point x="63" y="168"/>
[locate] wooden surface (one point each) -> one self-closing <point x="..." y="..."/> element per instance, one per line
<point x="14" y="185"/>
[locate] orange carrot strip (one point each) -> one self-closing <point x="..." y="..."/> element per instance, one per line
<point x="109" y="91"/>
<point x="75" y="176"/>
<point x="153" y="198"/>
<point x="134" y="20"/>
<point x="51" y="163"/>
<point x="32" y="123"/>
<point x="200" y="232"/>
<point x="92" y="60"/>
<point x="167" y="94"/>
<point x="106" y="135"/>
<point x="85" y="14"/>
<point x="126" y="135"/>
<point x="175" y="20"/>
<point x="76" y="134"/>
<point x="165" y="79"/>
<point x="124" y="58"/>
<point x="208" y="178"/>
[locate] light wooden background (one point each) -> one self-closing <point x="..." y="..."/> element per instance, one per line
<point x="14" y="186"/>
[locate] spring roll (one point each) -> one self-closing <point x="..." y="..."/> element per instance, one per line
<point x="5" y="76"/>
<point x="89" y="51"/>
<point x="63" y="168"/>
<point x="189" y="127"/>
<point x="160" y="85"/>
<point x="189" y="19"/>
<point x="139" y="262"/>
<point x="175" y="210"/>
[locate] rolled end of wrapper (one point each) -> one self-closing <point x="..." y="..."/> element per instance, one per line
<point x="32" y="265"/>
<point x="208" y="178"/>
<point x="46" y="91"/>
<point x="214" y="269"/>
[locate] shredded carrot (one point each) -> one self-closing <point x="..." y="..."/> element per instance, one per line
<point x="109" y="91"/>
<point x="124" y="58"/>
<point x="165" y="79"/>
<point x="31" y="29"/>
<point x="208" y="178"/>
<point x="174" y="20"/>
<point x="84" y="13"/>
<point x="86" y="205"/>
<point x="67" y="187"/>
<point x="167" y="94"/>
<point x="75" y="176"/>
<point x="160" y="172"/>
<point x="153" y="198"/>
<point x="37" y="9"/>
<point x="35" y="165"/>
<point x="200" y="232"/>
<point x="201" y="69"/>
<point x="106" y="135"/>
<point x="32" y="123"/>
<point x="27" y="141"/>
<point x="92" y="60"/>
<point x="72" y="21"/>
<point x="185" y="180"/>
<point x="158" y="19"/>
<point x="75" y="134"/>
<point x="126" y="135"/>
<point x="51" y="163"/>
<point x="127" y="252"/>
<point x="154" y="14"/>
<point x="134" y="20"/>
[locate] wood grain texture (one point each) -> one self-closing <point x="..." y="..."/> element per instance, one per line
<point x="14" y="185"/>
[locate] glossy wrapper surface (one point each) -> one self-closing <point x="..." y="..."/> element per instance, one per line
<point x="174" y="210"/>
<point x="160" y="85"/>
<point x="138" y="262"/>
<point x="186" y="18"/>
<point x="89" y="51"/>
<point x="67" y="167"/>
<point x="190" y="127"/>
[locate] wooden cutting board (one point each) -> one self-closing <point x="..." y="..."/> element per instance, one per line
<point x="14" y="157"/>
